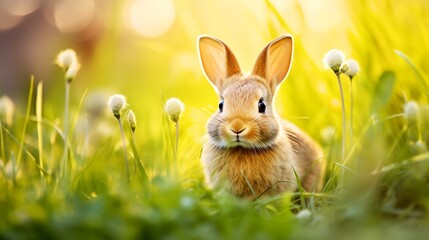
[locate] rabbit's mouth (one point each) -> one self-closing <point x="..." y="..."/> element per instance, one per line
<point x="239" y="141"/>
<point x="238" y="138"/>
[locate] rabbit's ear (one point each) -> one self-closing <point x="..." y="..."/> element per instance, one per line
<point x="217" y="60"/>
<point x="274" y="62"/>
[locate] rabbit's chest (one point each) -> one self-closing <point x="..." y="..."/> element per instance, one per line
<point x="248" y="172"/>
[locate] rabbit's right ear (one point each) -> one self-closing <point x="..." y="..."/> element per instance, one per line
<point x="274" y="62"/>
<point x="217" y="60"/>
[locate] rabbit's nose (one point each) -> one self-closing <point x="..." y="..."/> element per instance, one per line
<point x="238" y="131"/>
<point x="237" y="126"/>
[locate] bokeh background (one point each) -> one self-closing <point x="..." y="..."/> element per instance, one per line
<point x="146" y="50"/>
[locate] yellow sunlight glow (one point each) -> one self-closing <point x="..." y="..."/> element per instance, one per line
<point x="322" y="16"/>
<point x="152" y="18"/>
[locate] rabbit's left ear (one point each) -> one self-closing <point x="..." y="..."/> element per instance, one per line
<point x="217" y="60"/>
<point x="274" y="62"/>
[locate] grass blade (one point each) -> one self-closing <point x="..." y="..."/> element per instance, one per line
<point x="248" y="183"/>
<point x="138" y="161"/>
<point x="300" y="189"/>
<point x="39" y="124"/>
<point x="3" y="152"/>
<point x="423" y="79"/>
<point x="71" y="134"/>
<point x="27" y="118"/>
<point x="277" y="14"/>
<point x="17" y="141"/>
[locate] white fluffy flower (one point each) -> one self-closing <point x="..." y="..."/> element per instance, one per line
<point x="6" y="109"/>
<point x="68" y="61"/>
<point x="411" y="111"/>
<point x="353" y="68"/>
<point x="174" y="107"/>
<point x="72" y="71"/>
<point x="304" y="214"/>
<point x="95" y="104"/>
<point x="132" y="120"/>
<point x="66" y="58"/>
<point x="334" y="59"/>
<point x="116" y="102"/>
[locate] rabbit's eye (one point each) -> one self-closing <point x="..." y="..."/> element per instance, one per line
<point x="221" y="106"/>
<point x="261" y="106"/>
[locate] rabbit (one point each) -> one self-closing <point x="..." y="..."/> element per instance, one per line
<point x="250" y="151"/>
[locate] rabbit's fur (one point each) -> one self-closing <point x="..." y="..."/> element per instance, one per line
<point x="251" y="150"/>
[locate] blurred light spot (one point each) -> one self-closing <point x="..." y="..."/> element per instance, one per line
<point x="151" y="18"/>
<point x="20" y="7"/>
<point x="336" y="104"/>
<point x="48" y="14"/>
<point x="321" y="87"/>
<point x="73" y="15"/>
<point x="328" y="133"/>
<point x="185" y="63"/>
<point x="8" y="20"/>
<point x="187" y="202"/>
<point x="322" y="16"/>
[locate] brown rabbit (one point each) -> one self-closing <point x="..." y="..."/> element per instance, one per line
<point x="250" y="149"/>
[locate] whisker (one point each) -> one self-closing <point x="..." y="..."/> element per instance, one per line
<point x="297" y="117"/>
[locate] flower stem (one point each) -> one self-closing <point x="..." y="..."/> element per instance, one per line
<point x="351" y="112"/>
<point x="127" y="168"/>
<point x="137" y="161"/>
<point x="343" y="112"/>
<point x="136" y="158"/>
<point x="66" y="129"/>
<point x="3" y="154"/>
<point x="176" y="148"/>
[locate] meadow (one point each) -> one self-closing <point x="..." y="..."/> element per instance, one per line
<point x="67" y="172"/>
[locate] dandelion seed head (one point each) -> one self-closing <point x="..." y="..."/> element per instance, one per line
<point x="116" y="102"/>
<point x="334" y="59"/>
<point x="344" y="68"/>
<point x="6" y="109"/>
<point x="95" y="104"/>
<point x="67" y="58"/>
<point x="174" y="107"/>
<point x="132" y="120"/>
<point x="411" y="111"/>
<point x="353" y="68"/>
<point x="71" y="72"/>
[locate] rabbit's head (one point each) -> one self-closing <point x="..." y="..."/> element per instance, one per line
<point x="245" y="117"/>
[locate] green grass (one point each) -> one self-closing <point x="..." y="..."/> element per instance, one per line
<point x="381" y="190"/>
